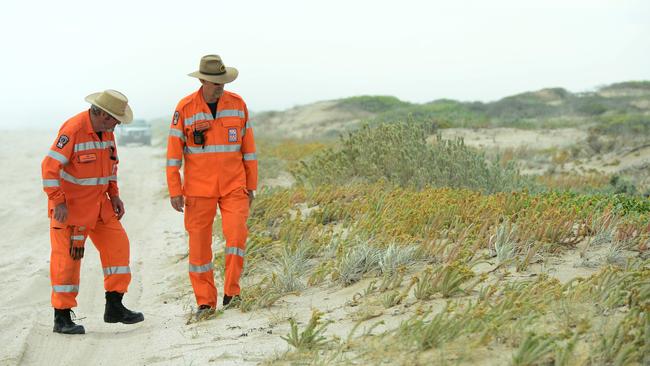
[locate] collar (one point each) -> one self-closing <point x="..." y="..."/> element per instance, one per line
<point x="198" y="98"/>
<point x="88" y="126"/>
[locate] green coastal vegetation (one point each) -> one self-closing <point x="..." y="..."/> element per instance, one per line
<point x="455" y="254"/>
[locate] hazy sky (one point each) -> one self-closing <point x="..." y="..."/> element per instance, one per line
<point x="288" y="53"/>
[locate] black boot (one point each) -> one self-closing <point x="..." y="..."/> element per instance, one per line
<point x="228" y="299"/>
<point x="64" y="324"/>
<point x="203" y="312"/>
<point x="115" y="312"/>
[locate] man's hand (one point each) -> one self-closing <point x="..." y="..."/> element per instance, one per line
<point x="61" y="212"/>
<point x="118" y="206"/>
<point x="177" y="203"/>
<point x="251" y="197"/>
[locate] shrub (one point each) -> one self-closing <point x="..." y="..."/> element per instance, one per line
<point x="374" y="104"/>
<point x="358" y="260"/>
<point x="312" y="336"/>
<point x="641" y="85"/>
<point x="439" y="114"/>
<point x="626" y="124"/>
<point x="622" y="185"/>
<point x="504" y="242"/>
<point x="398" y="153"/>
<point x="431" y="333"/>
<point x="533" y="350"/>
<point x="288" y="269"/>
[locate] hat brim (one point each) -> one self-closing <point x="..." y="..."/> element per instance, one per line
<point x="230" y="76"/>
<point x="126" y="118"/>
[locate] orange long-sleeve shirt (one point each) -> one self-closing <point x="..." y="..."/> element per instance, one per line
<point x="81" y="170"/>
<point x="226" y="161"/>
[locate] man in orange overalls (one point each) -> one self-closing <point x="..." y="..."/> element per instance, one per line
<point x="210" y="133"/>
<point x="80" y="179"/>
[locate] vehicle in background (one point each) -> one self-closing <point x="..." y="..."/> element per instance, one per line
<point x="137" y="131"/>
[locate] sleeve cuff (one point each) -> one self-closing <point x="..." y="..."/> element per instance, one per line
<point x="175" y="193"/>
<point x="59" y="200"/>
<point x="113" y="192"/>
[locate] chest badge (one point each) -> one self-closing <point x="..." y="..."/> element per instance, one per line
<point x="232" y="135"/>
<point x="87" y="158"/>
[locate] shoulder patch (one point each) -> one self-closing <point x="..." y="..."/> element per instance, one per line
<point x="63" y="139"/>
<point x="176" y="117"/>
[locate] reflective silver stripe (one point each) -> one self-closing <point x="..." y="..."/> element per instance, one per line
<point x="113" y="178"/>
<point x="90" y="145"/>
<point x="78" y="237"/>
<point x="58" y="156"/>
<point x="201" y="269"/>
<point x="250" y="156"/>
<point x="85" y="181"/>
<point x="177" y="133"/>
<point x="174" y="162"/>
<point x="249" y="124"/>
<point x="116" y="270"/>
<point x="230" y="113"/>
<point x="212" y="149"/>
<point x="65" y="288"/>
<point x="51" y="183"/>
<point x="235" y="251"/>
<point x="197" y="117"/>
<point x="207" y="116"/>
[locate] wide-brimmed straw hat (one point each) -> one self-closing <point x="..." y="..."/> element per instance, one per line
<point x="213" y="70"/>
<point x="114" y="103"/>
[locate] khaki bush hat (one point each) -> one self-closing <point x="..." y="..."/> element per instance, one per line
<point x="213" y="70"/>
<point x="114" y="103"/>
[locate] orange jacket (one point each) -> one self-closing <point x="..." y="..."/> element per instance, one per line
<point x="225" y="162"/>
<point x="80" y="169"/>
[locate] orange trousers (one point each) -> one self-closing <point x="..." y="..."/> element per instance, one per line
<point x="113" y="245"/>
<point x="199" y="218"/>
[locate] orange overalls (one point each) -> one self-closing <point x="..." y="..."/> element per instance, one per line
<point x="80" y="170"/>
<point x="218" y="172"/>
